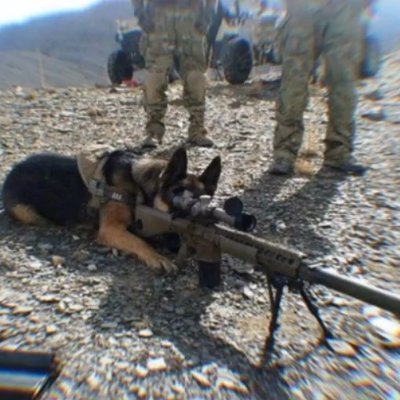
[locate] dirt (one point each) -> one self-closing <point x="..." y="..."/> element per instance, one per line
<point x="122" y="332"/>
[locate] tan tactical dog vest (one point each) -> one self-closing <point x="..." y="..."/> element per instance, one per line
<point x="90" y="164"/>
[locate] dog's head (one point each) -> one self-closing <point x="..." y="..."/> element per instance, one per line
<point x="175" y="180"/>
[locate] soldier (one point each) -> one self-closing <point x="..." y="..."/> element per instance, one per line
<point x="313" y="27"/>
<point x="175" y="28"/>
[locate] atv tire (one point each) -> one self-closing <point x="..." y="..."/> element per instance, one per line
<point x="237" y="60"/>
<point x="372" y="58"/>
<point x="118" y="67"/>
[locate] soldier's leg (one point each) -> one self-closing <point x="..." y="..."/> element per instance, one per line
<point x="298" y="59"/>
<point x="158" y="57"/>
<point x="193" y="66"/>
<point x="342" y="53"/>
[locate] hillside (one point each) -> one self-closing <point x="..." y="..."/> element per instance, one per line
<point x="72" y="48"/>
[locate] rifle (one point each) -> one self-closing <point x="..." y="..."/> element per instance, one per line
<point x="208" y="232"/>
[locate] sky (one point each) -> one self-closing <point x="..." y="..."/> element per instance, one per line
<point x="13" y="11"/>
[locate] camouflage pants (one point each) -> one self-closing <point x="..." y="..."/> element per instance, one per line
<point x="175" y="34"/>
<point x="335" y="31"/>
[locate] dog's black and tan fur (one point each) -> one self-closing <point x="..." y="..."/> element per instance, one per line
<point x="49" y="188"/>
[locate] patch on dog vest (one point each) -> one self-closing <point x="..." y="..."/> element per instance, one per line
<point x="90" y="164"/>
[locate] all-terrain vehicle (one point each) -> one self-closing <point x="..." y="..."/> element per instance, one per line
<point x="241" y="38"/>
<point x="122" y="62"/>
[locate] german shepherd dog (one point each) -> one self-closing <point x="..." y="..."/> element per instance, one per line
<point x="48" y="187"/>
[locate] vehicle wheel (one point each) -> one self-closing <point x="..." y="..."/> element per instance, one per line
<point x="118" y="67"/>
<point x="238" y="60"/>
<point x="372" y="58"/>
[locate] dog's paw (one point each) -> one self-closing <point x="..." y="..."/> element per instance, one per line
<point x="161" y="264"/>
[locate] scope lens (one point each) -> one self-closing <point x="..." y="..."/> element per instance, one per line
<point x="246" y="222"/>
<point x="233" y="206"/>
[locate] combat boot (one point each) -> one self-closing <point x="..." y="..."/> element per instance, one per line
<point x="198" y="137"/>
<point x="155" y="132"/>
<point x="347" y="168"/>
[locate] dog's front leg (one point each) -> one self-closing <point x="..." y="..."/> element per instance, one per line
<point x="114" y="219"/>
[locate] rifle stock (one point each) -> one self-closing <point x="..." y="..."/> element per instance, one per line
<point x="270" y="257"/>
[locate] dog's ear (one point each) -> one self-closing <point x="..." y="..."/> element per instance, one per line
<point x="210" y="176"/>
<point x="176" y="169"/>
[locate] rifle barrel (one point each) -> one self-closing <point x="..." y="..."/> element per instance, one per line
<point x="352" y="287"/>
<point x="277" y="259"/>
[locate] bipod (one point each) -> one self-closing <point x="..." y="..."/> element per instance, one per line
<point x="279" y="282"/>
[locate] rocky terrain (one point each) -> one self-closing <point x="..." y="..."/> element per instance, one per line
<point x="122" y="332"/>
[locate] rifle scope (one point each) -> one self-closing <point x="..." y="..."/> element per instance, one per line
<point x="231" y="214"/>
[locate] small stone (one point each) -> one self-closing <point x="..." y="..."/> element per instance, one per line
<point x="178" y="388"/>
<point x="67" y="114"/>
<point x="73" y="308"/>
<point x="339" y="302"/>
<point x="50" y="329"/>
<point x="247" y="292"/>
<point x="34" y="318"/>
<point x="376" y="114"/>
<point x="92" y="267"/>
<point x="280" y="226"/>
<point x="201" y="379"/>
<point x="49" y="298"/>
<point x="371" y="311"/>
<point x="180" y="311"/>
<point x="45" y="246"/>
<point x="145" y="333"/>
<point x="342" y="348"/>
<point x="94" y="381"/>
<point x="375" y="95"/>
<point x="141" y="372"/>
<point x="35" y="264"/>
<point x="109" y="325"/>
<point x="239" y="387"/>
<point x="141" y="392"/>
<point x="61" y="307"/>
<point x="139" y="325"/>
<point x="156" y="364"/>
<point x="22" y="310"/>
<point x="57" y="261"/>
<point x="388" y="330"/>
<point x="167" y="307"/>
<point x="325" y="224"/>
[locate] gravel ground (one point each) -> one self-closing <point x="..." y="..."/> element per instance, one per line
<point x="122" y="332"/>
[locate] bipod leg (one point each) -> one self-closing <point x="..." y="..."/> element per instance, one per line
<point x="270" y="293"/>
<point x="279" y="284"/>
<point x="306" y="296"/>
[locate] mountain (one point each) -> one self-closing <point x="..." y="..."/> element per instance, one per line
<point x="69" y="49"/>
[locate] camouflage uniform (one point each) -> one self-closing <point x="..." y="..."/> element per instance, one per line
<point x="175" y="27"/>
<point x="333" y="28"/>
